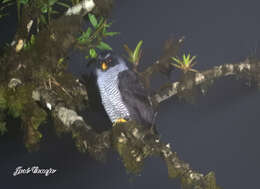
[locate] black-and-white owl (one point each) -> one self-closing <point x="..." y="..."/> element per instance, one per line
<point x="122" y="93"/>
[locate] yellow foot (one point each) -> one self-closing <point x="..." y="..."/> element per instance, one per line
<point x="120" y="120"/>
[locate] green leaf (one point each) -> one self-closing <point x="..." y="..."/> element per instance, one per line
<point x="193" y="58"/>
<point x="43" y="19"/>
<point x="101" y="21"/>
<point x="52" y="2"/>
<point x="44" y="9"/>
<point x="111" y="34"/>
<point x="85" y="35"/>
<point x="54" y="12"/>
<point x="103" y="46"/>
<point x="23" y="1"/>
<point x="60" y="61"/>
<point x="93" y="20"/>
<point x="63" y="4"/>
<point x="3" y="103"/>
<point x="32" y="40"/>
<point x="128" y="50"/>
<point x="92" y="53"/>
<point x="177" y="60"/>
<point x="1" y="16"/>
<point x="5" y="4"/>
<point x="107" y="25"/>
<point x="6" y="1"/>
<point x="25" y="46"/>
<point x="136" y="53"/>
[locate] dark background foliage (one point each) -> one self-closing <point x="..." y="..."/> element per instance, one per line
<point x="219" y="132"/>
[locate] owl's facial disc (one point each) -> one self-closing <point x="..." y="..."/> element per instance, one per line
<point x="106" y="60"/>
<point x="106" y="63"/>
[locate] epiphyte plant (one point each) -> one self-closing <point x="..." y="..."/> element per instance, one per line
<point x="134" y="56"/>
<point x="185" y="64"/>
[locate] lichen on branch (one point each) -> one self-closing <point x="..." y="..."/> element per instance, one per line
<point x="248" y="69"/>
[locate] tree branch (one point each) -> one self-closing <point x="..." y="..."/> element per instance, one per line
<point x="85" y="137"/>
<point x="133" y="142"/>
<point x="170" y="49"/>
<point x="247" y="69"/>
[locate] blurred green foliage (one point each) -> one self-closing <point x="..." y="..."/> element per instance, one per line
<point x="93" y="36"/>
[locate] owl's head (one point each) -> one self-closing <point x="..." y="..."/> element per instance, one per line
<point x="106" y="60"/>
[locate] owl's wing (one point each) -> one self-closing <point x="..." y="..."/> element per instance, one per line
<point x="136" y="97"/>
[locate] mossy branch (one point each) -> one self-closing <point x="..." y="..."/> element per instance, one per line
<point x="86" y="139"/>
<point x="248" y="69"/>
<point x="133" y="142"/>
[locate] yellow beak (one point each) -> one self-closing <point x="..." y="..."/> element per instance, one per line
<point x="104" y="66"/>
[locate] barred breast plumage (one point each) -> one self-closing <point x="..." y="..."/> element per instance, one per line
<point x="110" y="94"/>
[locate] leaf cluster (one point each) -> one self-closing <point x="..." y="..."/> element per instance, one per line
<point x="30" y="43"/>
<point x="93" y="36"/>
<point x="134" y="56"/>
<point x="48" y="9"/>
<point x="3" y="5"/>
<point x="185" y="64"/>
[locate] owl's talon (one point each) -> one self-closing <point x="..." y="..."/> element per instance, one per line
<point x="120" y="120"/>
